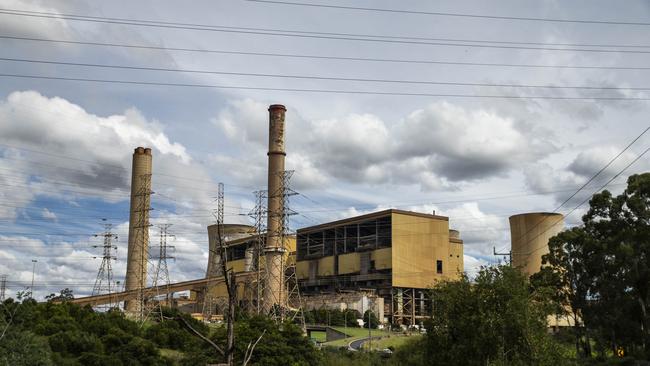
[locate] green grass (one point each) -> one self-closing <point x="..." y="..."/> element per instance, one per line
<point x="394" y="341"/>
<point x="319" y="336"/>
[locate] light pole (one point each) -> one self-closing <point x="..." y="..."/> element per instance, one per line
<point x="345" y="318"/>
<point x="31" y="289"/>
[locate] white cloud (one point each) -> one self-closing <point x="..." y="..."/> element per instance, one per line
<point x="437" y="147"/>
<point x="64" y="151"/>
<point x="473" y="265"/>
<point x="49" y="215"/>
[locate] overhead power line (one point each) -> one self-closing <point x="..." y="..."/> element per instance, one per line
<point x="327" y="91"/>
<point x="609" y="163"/>
<point x="327" y="57"/>
<point x="327" y="35"/>
<point x="315" y="77"/>
<point x="457" y="15"/>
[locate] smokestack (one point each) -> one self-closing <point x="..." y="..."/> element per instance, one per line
<point x="273" y="250"/>
<point x="138" y="251"/>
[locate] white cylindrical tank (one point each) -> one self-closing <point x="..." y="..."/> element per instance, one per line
<point x="529" y="235"/>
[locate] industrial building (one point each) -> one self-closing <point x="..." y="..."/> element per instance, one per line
<point x="244" y="256"/>
<point x="394" y="254"/>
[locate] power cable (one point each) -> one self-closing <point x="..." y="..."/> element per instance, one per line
<point x="327" y="91"/>
<point x="601" y="188"/>
<point x="314" y="77"/>
<point x="458" y="15"/>
<point x="292" y="33"/>
<point x="326" y="57"/>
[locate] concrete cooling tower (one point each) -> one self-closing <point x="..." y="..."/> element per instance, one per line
<point x="529" y="235"/>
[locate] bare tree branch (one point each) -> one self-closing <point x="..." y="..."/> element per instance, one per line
<point x="187" y="324"/>
<point x="250" y="349"/>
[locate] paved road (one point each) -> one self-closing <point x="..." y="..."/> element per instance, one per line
<point x="357" y="344"/>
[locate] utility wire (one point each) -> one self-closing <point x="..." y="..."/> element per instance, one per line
<point x="327" y="91"/>
<point x="326" y="57"/>
<point x="600" y="189"/>
<point x="314" y="77"/>
<point x="457" y="15"/>
<point x="582" y="187"/>
<point x="300" y="34"/>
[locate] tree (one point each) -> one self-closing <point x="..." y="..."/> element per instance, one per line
<point x="565" y="271"/>
<point x="496" y="320"/>
<point x="65" y="295"/>
<point x="370" y="320"/>
<point x="282" y="344"/>
<point x="23" y="348"/>
<point x="620" y="226"/>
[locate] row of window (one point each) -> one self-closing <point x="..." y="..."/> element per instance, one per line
<point x="366" y="235"/>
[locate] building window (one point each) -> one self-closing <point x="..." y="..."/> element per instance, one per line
<point x="439" y="266"/>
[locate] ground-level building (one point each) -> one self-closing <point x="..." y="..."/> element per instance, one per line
<point x="398" y="255"/>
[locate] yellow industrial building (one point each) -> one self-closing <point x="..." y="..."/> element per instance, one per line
<point x="396" y="254"/>
<point x="243" y="258"/>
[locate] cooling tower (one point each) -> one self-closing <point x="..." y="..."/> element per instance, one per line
<point x="273" y="250"/>
<point x="529" y="235"/>
<point x="138" y="250"/>
<point x="228" y="232"/>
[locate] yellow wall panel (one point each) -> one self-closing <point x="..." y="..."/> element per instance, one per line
<point x="302" y="270"/>
<point x="383" y="258"/>
<point x="349" y="263"/>
<point x="237" y="266"/>
<point x="417" y="244"/>
<point x="326" y="266"/>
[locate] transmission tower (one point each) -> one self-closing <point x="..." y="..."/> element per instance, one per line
<point x="161" y="273"/>
<point x="288" y="301"/>
<point x="219" y="216"/>
<point x="3" y="287"/>
<point x="143" y="243"/>
<point x="104" y="282"/>
<point x="258" y="213"/>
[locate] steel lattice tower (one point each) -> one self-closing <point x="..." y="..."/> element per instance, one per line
<point x="259" y="216"/>
<point x="104" y="281"/>
<point x="161" y="277"/>
<point x="142" y="242"/>
<point x="219" y="215"/>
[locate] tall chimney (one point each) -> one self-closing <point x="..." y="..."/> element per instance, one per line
<point x="138" y="251"/>
<point x="273" y="251"/>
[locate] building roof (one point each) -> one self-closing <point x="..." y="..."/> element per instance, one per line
<point x="373" y="215"/>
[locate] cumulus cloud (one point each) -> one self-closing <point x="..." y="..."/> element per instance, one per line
<point x="562" y="182"/>
<point x="49" y="215"/>
<point x="27" y="26"/>
<point x="56" y="148"/>
<point x="466" y="144"/>
<point x="437" y="147"/>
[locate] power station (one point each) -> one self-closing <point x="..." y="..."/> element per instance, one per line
<point x="381" y="261"/>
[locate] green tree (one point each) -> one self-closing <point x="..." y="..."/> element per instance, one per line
<point x="23" y="348"/>
<point x="565" y="271"/>
<point x="281" y="345"/>
<point x="370" y="320"/>
<point x="494" y="321"/>
<point x="620" y="288"/>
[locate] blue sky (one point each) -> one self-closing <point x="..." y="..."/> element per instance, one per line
<point x="65" y="146"/>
